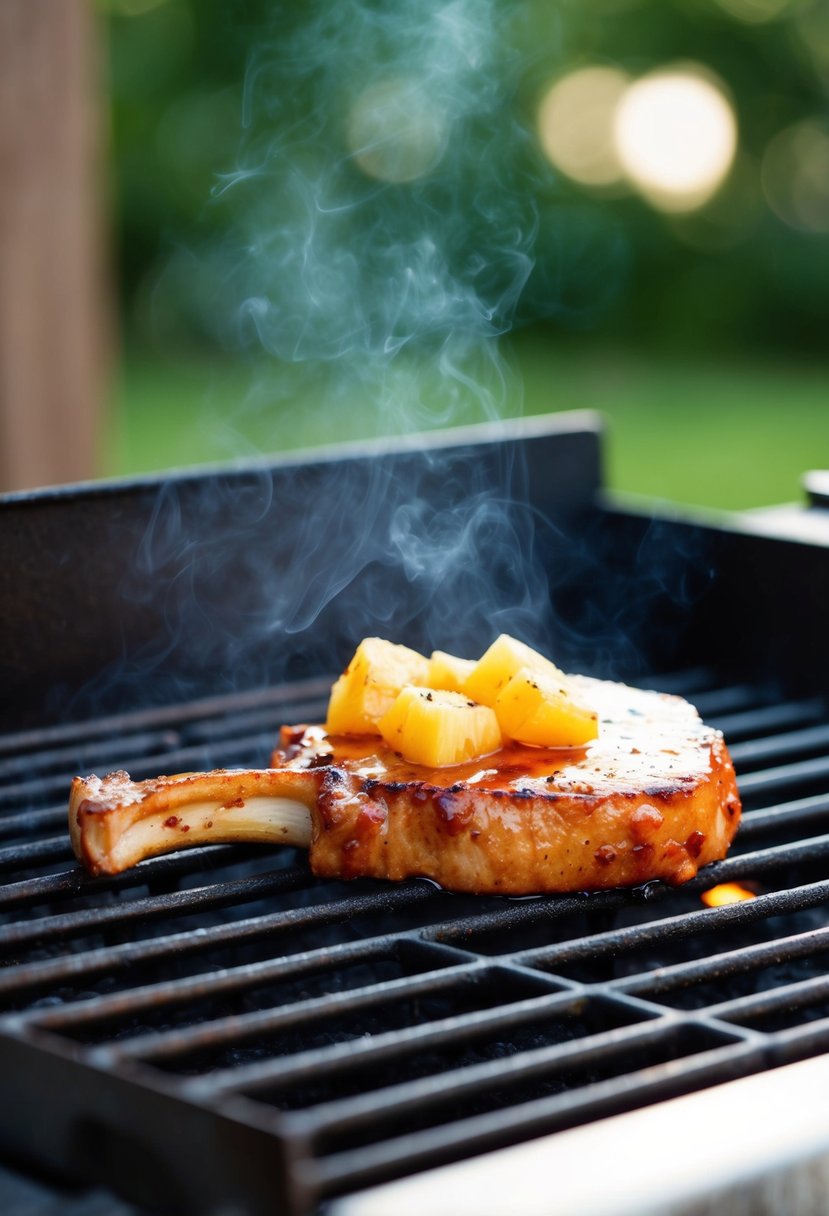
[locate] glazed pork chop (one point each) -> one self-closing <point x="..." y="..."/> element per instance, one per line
<point x="653" y="796"/>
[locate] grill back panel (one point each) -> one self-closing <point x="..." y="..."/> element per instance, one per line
<point x="160" y="591"/>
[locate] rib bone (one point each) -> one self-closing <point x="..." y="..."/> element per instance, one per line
<point x="115" y="822"/>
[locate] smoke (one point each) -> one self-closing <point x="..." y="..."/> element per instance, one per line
<point x="382" y="209"/>
<point x="385" y="216"/>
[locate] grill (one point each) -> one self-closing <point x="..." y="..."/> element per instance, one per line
<point x="218" y="1031"/>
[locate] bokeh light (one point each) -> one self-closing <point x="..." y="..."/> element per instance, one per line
<point x="395" y="132"/>
<point x="731" y="217"/>
<point x="795" y="175"/>
<point x="253" y="166"/>
<point x="676" y="136"/>
<point x="575" y="125"/>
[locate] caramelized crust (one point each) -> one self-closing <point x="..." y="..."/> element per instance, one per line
<point x="655" y="796"/>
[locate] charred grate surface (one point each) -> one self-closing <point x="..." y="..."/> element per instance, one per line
<point x="324" y="1036"/>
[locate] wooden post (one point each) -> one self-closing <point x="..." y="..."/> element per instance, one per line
<point x="52" y="374"/>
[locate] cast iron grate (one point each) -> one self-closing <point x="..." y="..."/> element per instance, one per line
<point x="321" y="1037"/>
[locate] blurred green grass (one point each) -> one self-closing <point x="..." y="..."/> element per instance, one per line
<point x="727" y="434"/>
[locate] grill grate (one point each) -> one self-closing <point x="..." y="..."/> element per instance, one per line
<point x="322" y="1036"/>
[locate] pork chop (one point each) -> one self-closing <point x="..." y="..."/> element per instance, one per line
<point x="654" y="796"/>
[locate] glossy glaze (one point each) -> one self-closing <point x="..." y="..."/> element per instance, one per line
<point x="647" y="742"/>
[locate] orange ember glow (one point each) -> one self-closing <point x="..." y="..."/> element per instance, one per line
<point x="726" y="893"/>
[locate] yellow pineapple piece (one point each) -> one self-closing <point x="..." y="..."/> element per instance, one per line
<point x="437" y="728"/>
<point x="369" y="685"/>
<point x="448" y="672"/>
<point x="533" y="708"/>
<point x="498" y="665"/>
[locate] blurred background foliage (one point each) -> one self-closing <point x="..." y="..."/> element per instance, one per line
<point x="246" y="186"/>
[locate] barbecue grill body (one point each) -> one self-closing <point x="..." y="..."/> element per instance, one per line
<point x="198" y="1035"/>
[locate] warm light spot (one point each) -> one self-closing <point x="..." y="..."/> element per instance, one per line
<point x="731" y="217"/>
<point x="795" y="176"/>
<point x="575" y="124"/>
<point x="676" y="136"/>
<point x="395" y="131"/>
<point x="726" y="893"/>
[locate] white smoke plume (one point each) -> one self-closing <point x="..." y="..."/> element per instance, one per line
<point x="385" y="215"/>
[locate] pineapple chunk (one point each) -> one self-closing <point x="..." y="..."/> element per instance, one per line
<point x="437" y="728"/>
<point x="532" y="708"/>
<point x="448" y="672"/>
<point x="498" y="665"/>
<point x="369" y="685"/>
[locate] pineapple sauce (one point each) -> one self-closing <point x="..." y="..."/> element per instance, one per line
<point x="648" y="742"/>
<point x="511" y="765"/>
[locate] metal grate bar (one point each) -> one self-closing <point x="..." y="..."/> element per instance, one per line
<point x="799" y="814"/>
<point x="469" y="929"/>
<point x="676" y="928"/>
<point x="198" y="859"/>
<point x="749" y="1009"/>
<point x="364" y="1056"/>
<point x="224" y="705"/>
<point x="773" y="864"/>
<point x="30" y="822"/>
<point x="773" y="780"/>
<point x="767" y="748"/>
<point x="238" y="891"/>
<point x="115" y="751"/>
<point x="369" y="1109"/>
<point x="255" y="722"/>
<point x="472" y="981"/>
<point x="777" y="716"/>
<point x="687" y="682"/>
<point x="518" y="914"/>
<point x="765" y="861"/>
<point x="727" y="698"/>
<point x="801" y="1041"/>
<point x="185" y="759"/>
<point x="37" y="974"/>
<point x="52" y="848"/>
<point x="461" y="1138"/>
<point x="425" y="1100"/>
<point x="166" y="994"/>
<point x="727" y="963"/>
<point x="188" y="749"/>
